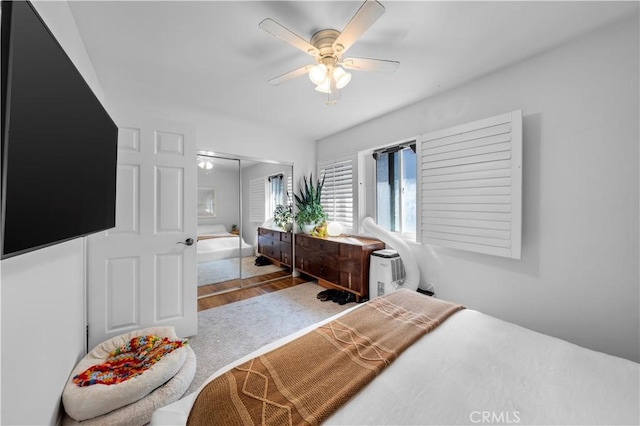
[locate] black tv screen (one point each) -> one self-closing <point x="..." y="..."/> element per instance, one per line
<point x="59" y="145"/>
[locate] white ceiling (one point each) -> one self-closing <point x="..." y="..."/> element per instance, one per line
<point x="211" y="55"/>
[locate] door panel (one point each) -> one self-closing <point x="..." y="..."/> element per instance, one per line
<point x="169" y="303"/>
<point x="128" y="139"/>
<point x="127" y="187"/>
<point x="140" y="273"/>
<point x="123" y="287"/>
<point x="169" y="143"/>
<point x="169" y="199"/>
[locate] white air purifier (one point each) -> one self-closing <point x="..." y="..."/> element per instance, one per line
<point x="386" y="272"/>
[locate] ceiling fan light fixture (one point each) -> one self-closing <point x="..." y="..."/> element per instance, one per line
<point x="325" y="86"/>
<point x="327" y="47"/>
<point x="205" y="163"/>
<point x="318" y="74"/>
<point x="342" y="77"/>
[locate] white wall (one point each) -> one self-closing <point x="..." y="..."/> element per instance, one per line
<point x="43" y="294"/>
<point x="578" y="278"/>
<point x="43" y="335"/>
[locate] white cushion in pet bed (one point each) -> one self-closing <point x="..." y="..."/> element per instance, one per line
<point x="86" y="402"/>
<point x="139" y="413"/>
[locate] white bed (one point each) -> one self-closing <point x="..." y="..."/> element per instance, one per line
<point x="476" y="369"/>
<point x="216" y="243"/>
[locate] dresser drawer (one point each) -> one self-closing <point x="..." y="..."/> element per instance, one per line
<point x="353" y="282"/>
<point x="324" y="246"/>
<point x="326" y="259"/>
<point x="301" y="261"/>
<point x="351" y="251"/>
<point x="309" y="262"/>
<point x="268" y="241"/>
<point x="351" y="265"/>
<point x="269" y="233"/>
<point x="286" y="237"/>
<point x="270" y="251"/>
<point x="285" y="247"/>
<point x="285" y="253"/>
<point x="323" y="271"/>
<point x="285" y="257"/>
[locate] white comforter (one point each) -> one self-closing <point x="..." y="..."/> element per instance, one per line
<point x="222" y="246"/>
<point x="476" y="369"/>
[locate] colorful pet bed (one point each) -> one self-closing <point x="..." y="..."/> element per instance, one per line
<point x="128" y="377"/>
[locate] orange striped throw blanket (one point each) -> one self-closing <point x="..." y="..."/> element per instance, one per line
<point x="307" y="379"/>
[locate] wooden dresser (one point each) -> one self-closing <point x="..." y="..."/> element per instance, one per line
<point x="337" y="262"/>
<point x="276" y="245"/>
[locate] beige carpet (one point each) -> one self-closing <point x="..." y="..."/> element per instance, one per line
<point x="228" y="269"/>
<point x="231" y="331"/>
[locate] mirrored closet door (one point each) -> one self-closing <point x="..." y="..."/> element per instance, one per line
<point x="237" y="198"/>
<point x="218" y="245"/>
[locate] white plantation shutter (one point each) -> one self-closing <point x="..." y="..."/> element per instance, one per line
<point x="289" y="195"/>
<point x="471" y="186"/>
<point x="337" y="194"/>
<point x="257" y="199"/>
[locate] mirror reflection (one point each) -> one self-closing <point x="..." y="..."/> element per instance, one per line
<point x="240" y="242"/>
<point x="207" y="202"/>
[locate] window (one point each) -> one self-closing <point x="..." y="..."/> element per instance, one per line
<point x="276" y="192"/>
<point x="396" y="188"/>
<point x="337" y="192"/>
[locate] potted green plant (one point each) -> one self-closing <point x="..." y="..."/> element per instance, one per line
<point x="309" y="210"/>
<point x="283" y="217"/>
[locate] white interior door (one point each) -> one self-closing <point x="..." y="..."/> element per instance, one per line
<point x="141" y="273"/>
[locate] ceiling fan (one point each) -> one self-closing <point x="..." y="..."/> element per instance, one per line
<point x="327" y="47"/>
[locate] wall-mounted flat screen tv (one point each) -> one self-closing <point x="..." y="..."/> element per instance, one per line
<point x="59" y="145"/>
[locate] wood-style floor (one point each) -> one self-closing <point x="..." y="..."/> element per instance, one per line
<point x="204" y="290"/>
<point x="246" y="293"/>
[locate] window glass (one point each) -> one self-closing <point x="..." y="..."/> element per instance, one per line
<point x="409" y="192"/>
<point x="396" y="190"/>
<point x="276" y="192"/>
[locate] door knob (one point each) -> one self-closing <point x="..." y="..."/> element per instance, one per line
<point x="187" y="242"/>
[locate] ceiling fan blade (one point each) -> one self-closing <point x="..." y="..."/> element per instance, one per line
<point x="277" y="30"/>
<point x="368" y="13"/>
<point x="290" y="75"/>
<point x="365" y="64"/>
